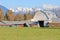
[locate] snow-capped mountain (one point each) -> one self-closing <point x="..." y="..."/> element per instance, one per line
<point x="57" y="11"/>
<point x="19" y="9"/>
<point x="52" y="8"/>
<point x="22" y="10"/>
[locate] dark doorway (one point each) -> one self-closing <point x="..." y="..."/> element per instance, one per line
<point x="41" y="23"/>
<point x="25" y="25"/>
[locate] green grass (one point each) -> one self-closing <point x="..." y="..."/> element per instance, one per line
<point x="14" y="33"/>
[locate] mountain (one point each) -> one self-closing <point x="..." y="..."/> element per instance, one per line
<point x="19" y="10"/>
<point x="57" y="11"/>
<point x="4" y="9"/>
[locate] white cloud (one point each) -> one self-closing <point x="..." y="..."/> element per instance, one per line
<point x="49" y="6"/>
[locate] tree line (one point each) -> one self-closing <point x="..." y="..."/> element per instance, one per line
<point x="9" y="16"/>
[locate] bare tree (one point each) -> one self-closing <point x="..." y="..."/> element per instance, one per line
<point x="28" y="16"/>
<point x="19" y="17"/>
<point x="1" y="15"/>
<point x="10" y="16"/>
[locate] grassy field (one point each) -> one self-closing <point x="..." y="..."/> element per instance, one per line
<point x="14" y="33"/>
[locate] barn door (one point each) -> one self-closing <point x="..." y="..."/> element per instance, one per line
<point x="41" y="23"/>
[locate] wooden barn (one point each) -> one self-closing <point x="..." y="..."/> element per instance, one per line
<point x="44" y="17"/>
<point x="40" y="17"/>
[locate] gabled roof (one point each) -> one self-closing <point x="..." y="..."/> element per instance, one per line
<point x="50" y="14"/>
<point x="40" y="15"/>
